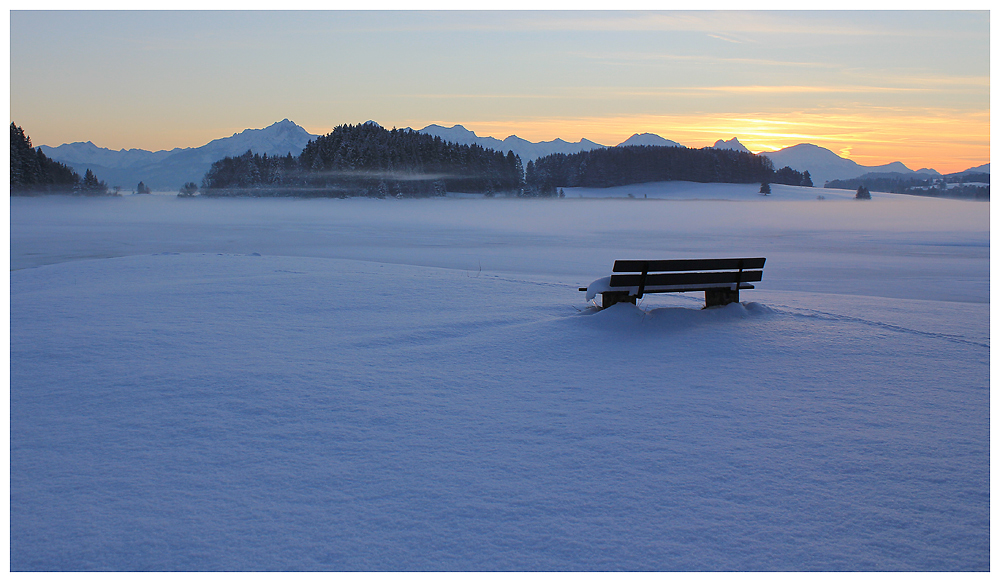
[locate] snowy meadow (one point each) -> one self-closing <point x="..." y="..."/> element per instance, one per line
<point x="290" y="384"/>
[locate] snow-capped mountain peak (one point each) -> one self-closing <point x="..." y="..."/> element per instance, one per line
<point x="278" y="138"/>
<point x="648" y="139"/>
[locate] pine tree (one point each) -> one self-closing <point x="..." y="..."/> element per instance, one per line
<point x="529" y="173"/>
<point x="765" y="188"/>
<point x="23" y="163"/>
<point x="31" y="171"/>
<point x="91" y="185"/>
<point x="807" y="179"/>
<point x="187" y="190"/>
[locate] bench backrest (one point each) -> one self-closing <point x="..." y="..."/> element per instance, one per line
<point x="687" y="272"/>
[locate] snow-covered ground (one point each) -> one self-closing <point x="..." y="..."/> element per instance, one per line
<point x="699" y="191"/>
<point x="418" y="384"/>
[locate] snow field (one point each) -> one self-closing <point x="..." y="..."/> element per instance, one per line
<point x="316" y="385"/>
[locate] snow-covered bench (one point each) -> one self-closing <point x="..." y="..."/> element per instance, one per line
<point x="720" y="279"/>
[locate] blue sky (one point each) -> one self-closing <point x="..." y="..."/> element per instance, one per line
<point x="873" y="86"/>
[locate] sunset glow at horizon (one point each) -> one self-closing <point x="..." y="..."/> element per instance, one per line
<point x="876" y="87"/>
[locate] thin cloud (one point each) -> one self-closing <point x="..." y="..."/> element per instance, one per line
<point x="940" y="85"/>
<point x="493" y="96"/>
<point x="726" y="38"/>
<point x="639" y="58"/>
<point x="775" y="89"/>
<point x="727" y="24"/>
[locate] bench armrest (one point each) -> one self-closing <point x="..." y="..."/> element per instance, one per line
<point x="602" y="285"/>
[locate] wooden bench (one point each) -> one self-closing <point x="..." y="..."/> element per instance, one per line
<point x="720" y="279"/>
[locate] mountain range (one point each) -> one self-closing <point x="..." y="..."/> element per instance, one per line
<point x="824" y="165"/>
<point x="525" y="149"/>
<point x="169" y="169"/>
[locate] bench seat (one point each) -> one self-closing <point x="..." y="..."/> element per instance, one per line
<point x="720" y="279"/>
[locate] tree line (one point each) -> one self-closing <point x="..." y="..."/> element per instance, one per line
<point x="620" y="166"/>
<point x="32" y="172"/>
<point x="896" y="183"/>
<point x="368" y="160"/>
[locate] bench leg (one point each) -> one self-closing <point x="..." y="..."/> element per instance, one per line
<point x="609" y="299"/>
<point x="714" y="297"/>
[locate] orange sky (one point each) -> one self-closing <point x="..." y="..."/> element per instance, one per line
<point x="947" y="141"/>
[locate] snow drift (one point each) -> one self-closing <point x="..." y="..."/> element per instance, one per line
<point x="418" y="385"/>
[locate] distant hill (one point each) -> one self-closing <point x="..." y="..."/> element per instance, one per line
<point x="983" y="169"/>
<point x="824" y="165"/>
<point x="733" y="144"/>
<point x="169" y="169"/>
<point x="958" y="185"/>
<point x="619" y="166"/>
<point x="368" y="160"/>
